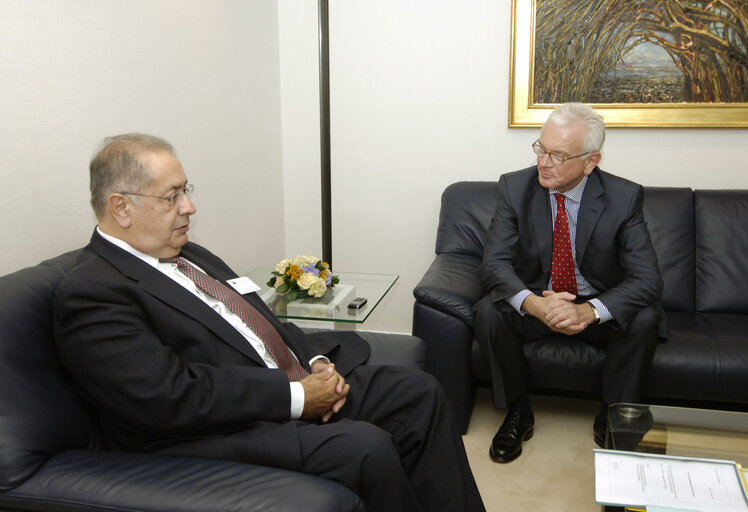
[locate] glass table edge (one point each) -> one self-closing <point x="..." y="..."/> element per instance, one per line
<point x="391" y="279"/>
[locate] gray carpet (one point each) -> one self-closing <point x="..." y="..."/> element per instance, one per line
<point x="555" y="471"/>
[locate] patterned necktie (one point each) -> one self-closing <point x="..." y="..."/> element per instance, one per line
<point x="563" y="277"/>
<point x="255" y="320"/>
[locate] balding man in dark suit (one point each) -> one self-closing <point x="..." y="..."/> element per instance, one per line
<point x="176" y="362"/>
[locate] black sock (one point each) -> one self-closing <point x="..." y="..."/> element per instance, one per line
<point x="522" y="403"/>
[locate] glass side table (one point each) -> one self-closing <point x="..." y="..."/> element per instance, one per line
<point x="333" y="307"/>
<point x="680" y="431"/>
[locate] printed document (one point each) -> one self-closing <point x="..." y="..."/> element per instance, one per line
<point x="683" y="483"/>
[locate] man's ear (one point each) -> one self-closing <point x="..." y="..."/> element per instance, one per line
<point x="119" y="208"/>
<point x="591" y="162"/>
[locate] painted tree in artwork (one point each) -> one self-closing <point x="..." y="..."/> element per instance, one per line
<point x="580" y="43"/>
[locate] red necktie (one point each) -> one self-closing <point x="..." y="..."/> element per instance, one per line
<point x="255" y="320"/>
<point x="563" y="277"/>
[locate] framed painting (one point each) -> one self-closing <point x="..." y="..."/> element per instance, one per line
<point x="640" y="63"/>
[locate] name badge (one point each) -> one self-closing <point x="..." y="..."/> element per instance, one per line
<point x="243" y="285"/>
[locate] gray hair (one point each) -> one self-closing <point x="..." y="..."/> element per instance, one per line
<point x="570" y="113"/>
<point x="121" y="164"/>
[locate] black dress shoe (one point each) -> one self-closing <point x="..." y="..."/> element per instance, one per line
<point x="598" y="427"/>
<point x="518" y="426"/>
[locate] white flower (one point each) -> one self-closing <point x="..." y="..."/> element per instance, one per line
<point x="281" y="267"/>
<point x="318" y="288"/>
<point x="306" y="280"/>
<point x="278" y="282"/>
<point x="303" y="260"/>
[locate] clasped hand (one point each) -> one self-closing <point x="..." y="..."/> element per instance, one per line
<point x="559" y="312"/>
<point x="325" y="391"/>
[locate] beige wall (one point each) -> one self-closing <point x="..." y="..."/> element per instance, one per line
<point x="204" y="75"/>
<point x="419" y="100"/>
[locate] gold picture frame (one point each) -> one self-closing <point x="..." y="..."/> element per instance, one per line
<point x="524" y="112"/>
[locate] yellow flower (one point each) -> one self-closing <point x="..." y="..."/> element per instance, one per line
<point x="295" y="271"/>
<point x="323" y="274"/>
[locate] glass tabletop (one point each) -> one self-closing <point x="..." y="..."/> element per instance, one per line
<point x="333" y="307"/>
<point x="679" y="431"/>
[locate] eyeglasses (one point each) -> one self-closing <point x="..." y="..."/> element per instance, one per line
<point x="173" y="199"/>
<point x="556" y="158"/>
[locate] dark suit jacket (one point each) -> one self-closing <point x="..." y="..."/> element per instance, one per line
<point x="614" y="251"/>
<point x="159" y="365"/>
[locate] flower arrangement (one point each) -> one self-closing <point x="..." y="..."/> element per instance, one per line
<point x="302" y="276"/>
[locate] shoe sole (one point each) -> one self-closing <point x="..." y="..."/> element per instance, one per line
<point x="528" y="435"/>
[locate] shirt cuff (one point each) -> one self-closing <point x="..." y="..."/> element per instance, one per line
<point x="297" y="392"/>
<point x="516" y="300"/>
<point x="317" y="358"/>
<point x="297" y="400"/>
<point x="605" y="315"/>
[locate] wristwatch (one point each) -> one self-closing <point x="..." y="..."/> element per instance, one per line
<point x="594" y="312"/>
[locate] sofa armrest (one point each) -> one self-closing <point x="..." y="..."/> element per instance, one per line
<point x="97" y="480"/>
<point x="389" y="349"/>
<point x="451" y="285"/>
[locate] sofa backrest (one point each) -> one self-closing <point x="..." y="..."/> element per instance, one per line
<point x="41" y="412"/>
<point x="466" y="212"/>
<point x="670" y="218"/>
<point x="468" y="206"/>
<point x="721" y="249"/>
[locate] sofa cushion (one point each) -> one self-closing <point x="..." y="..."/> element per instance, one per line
<point x="687" y="365"/>
<point x="79" y="480"/>
<point x="42" y="414"/>
<point x="466" y="212"/>
<point x="564" y="359"/>
<point x="729" y="333"/>
<point x="670" y="216"/>
<point x="721" y="248"/>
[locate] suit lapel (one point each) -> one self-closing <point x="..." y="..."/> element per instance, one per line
<point x="590" y="210"/>
<point x="541" y="221"/>
<point x="169" y="292"/>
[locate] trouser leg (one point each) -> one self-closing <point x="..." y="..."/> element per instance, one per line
<point x="411" y="406"/>
<point x="501" y="332"/>
<point x="628" y="357"/>
<point x="362" y="457"/>
<point x="394" y="443"/>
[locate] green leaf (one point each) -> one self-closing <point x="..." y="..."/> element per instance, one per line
<point x="283" y="288"/>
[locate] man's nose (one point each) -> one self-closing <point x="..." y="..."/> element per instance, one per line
<point x="186" y="206"/>
<point x="545" y="160"/>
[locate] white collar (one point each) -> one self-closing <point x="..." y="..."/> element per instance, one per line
<point x="151" y="260"/>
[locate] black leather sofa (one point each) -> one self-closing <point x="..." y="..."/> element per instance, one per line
<point x="50" y="456"/>
<point x="701" y="239"/>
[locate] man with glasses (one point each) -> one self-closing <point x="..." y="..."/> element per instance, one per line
<point x="180" y="357"/>
<point x="567" y="252"/>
